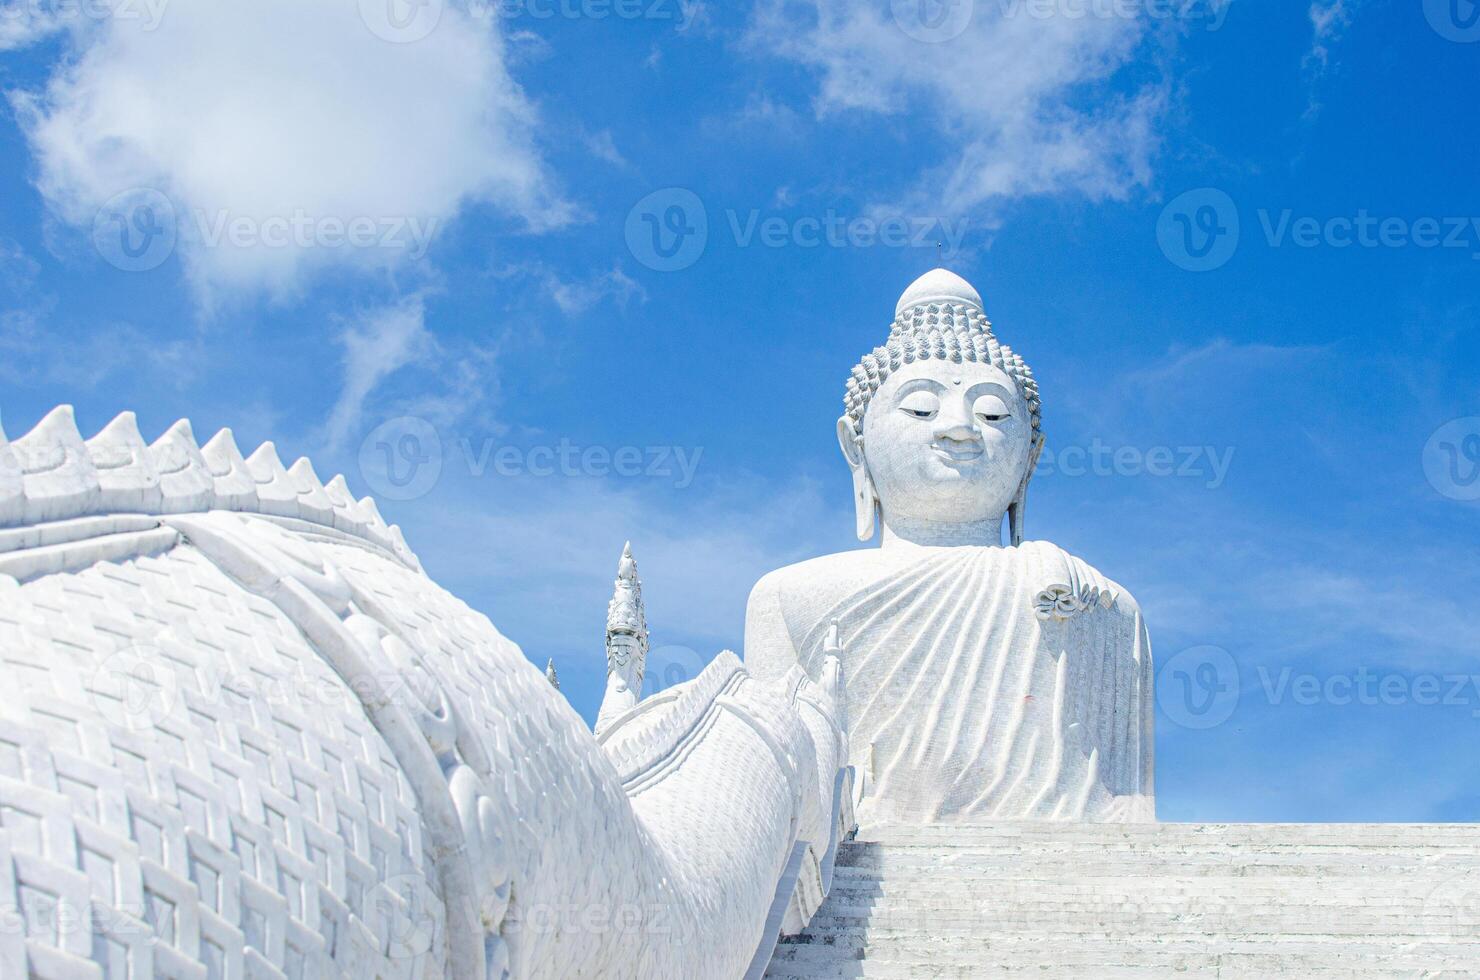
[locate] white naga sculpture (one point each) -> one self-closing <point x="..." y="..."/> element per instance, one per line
<point x="243" y="735"/>
<point x="983" y="681"/>
<point x="626" y="643"/>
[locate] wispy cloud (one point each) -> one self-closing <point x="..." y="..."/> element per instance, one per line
<point x="602" y="146"/>
<point x="375" y="347"/>
<point x="575" y="296"/>
<point x="1003" y="89"/>
<point x="1329" y="20"/>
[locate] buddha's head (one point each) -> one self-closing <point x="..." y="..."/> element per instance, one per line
<point x="941" y="426"/>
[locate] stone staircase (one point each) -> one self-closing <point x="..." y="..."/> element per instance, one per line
<point x="1104" y="901"/>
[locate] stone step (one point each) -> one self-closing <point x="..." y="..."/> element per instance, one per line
<point x="1138" y="900"/>
<point x="1416" y="882"/>
<point x="1253" y="866"/>
<point x="896" y="833"/>
<point x="1251" y="959"/>
<point x="1203" y="846"/>
<point x="1330" y="954"/>
<point x="1213" y="967"/>
<point x="1104" y="908"/>
<point x="841" y="931"/>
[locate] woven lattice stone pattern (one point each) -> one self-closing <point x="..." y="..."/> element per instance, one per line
<point x="243" y="734"/>
<point x="225" y="821"/>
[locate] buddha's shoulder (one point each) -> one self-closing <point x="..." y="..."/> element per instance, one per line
<point x="822" y="577"/>
<point x="1058" y="567"/>
<point x="819" y="582"/>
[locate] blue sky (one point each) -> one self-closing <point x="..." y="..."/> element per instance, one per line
<point x="1238" y="243"/>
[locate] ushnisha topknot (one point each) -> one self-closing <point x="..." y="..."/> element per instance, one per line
<point x="939" y="317"/>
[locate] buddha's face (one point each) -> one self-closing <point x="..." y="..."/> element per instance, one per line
<point x="946" y="443"/>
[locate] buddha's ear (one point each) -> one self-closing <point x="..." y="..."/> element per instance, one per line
<point x="850" y="438"/>
<point x="865" y="499"/>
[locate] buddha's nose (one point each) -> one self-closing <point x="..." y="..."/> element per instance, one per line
<point x="953" y="422"/>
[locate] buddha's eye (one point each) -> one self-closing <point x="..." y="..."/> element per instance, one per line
<point x="990" y="408"/>
<point x="920" y="404"/>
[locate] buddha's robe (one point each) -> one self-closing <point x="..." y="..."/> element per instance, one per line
<point x="982" y="683"/>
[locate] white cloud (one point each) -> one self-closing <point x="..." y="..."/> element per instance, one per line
<point x="579" y="295"/>
<point x="375" y="348"/>
<point x="1329" y="20"/>
<point x="603" y="147"/>
<point x="1006" y="93"/>
<point x="280" y="111"/>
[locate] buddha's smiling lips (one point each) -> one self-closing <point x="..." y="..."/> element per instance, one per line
<point x="964" y="453"/>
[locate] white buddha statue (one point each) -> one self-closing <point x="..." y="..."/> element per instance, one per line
<point x="983" y="681"/>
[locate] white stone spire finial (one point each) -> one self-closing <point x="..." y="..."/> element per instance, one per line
<point x="625" y="612"/>
<point x="626" y="642"/>
<point x="938" y="286"/>
<point x="550" y="674"/>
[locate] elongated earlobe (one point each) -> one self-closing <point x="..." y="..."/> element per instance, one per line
<point x="865" y="503"/>
<point x="1017" y="510"/>
<point x="865" y="498"/>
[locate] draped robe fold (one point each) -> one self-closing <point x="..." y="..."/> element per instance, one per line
<point x="964" y="703"/>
